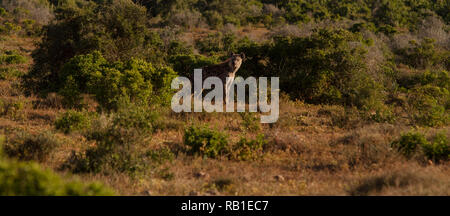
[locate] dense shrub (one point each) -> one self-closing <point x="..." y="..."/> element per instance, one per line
<point x="427" y="96"/>
<point x="408" y="143"/>
<point x="135" y="80"/>
<point x="439" y="149"/>
<point x="206" y="142"/>
<point x="386" y="15"/>
<point x="438" y="78"/>
<point x="118" y="29"/>
<point x="249" y="149"/>
<point x="29" y="179"/>
<point x="135" y="117"/>
<point x="326" y="67"/>
<point x="119" y="143"/>
<point x="73" y="121"/>
<point x="26" y="146"/>
<point x="429" y="105"/>
<point x="421" y="55"/>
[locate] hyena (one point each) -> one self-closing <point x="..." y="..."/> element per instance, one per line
<point x="228" y="68"/>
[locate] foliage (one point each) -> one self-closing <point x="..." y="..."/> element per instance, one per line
<point x="26" y="146"/>
<point x="185" y="64"/>
<point x="326" y="67"/>
<point x="9" y="73"/>
<point x="118" y="143"/>
<point x="250" y="121"/>
<point x="249" y="149"/>
<point x="11" y="57"/>
<point x="134" y="80"/>
<point x="206" y="142"/>
<point x="29" y="179"/>
<point x="118" y="29"/>
<point x="408" y="143"/>
<point x="73" y="121"/>
<point x="421" y="55"/>
<point x="439" y="149"/>
<point x="429" y="105"/>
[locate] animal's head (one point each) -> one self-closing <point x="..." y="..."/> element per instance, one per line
<point x="236" y="60"/>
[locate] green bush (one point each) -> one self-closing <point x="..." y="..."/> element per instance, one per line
<point x="250" y="121"/>
<point x="429" y="105"/>
<point x="119" y="143"/>
<point x="408" y="143"/>
<point x="29" y="179"/>
<point x="118" y="29"/>
<point x="136" y="117"/>
<point x="73" y="121"/>
<point x="386" y="15"/>
<point x="421" y="55"/>
<point x="205" y="141"/>
<point x="26" y="146"/>
<point x="249" y="149"/>
<point x="12" y="57"/>
<point x="326" y="67"/>
<point x="439" y="149"/>
<point x="136" y="80"/>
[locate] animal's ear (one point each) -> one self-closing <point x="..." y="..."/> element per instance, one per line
<point x="243" y="56"/>
<point x="231" y="54"/>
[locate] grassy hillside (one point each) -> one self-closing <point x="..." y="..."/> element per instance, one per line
<point x="364" y="105"/>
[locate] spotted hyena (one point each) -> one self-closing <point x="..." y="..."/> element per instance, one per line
<point x="228" y="68"/>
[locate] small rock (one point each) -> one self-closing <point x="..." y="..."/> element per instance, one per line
<point x="279" y="178"/>
<point x="146" y="193"/>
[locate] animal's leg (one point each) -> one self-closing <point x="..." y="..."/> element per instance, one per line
<point x="227" y="90"/>
<point x="225" y="93"/>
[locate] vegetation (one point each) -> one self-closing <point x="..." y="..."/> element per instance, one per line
<point x="73" y="121"/>
<point x="437" y="150"/>
<point x="205" y="141"/>
<point x="249" y="149"/>
<point x="29" y="179"/>
<point x="85" y="88"/>
<point x="134" y="80"/>
<point x="31" y="147"/>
